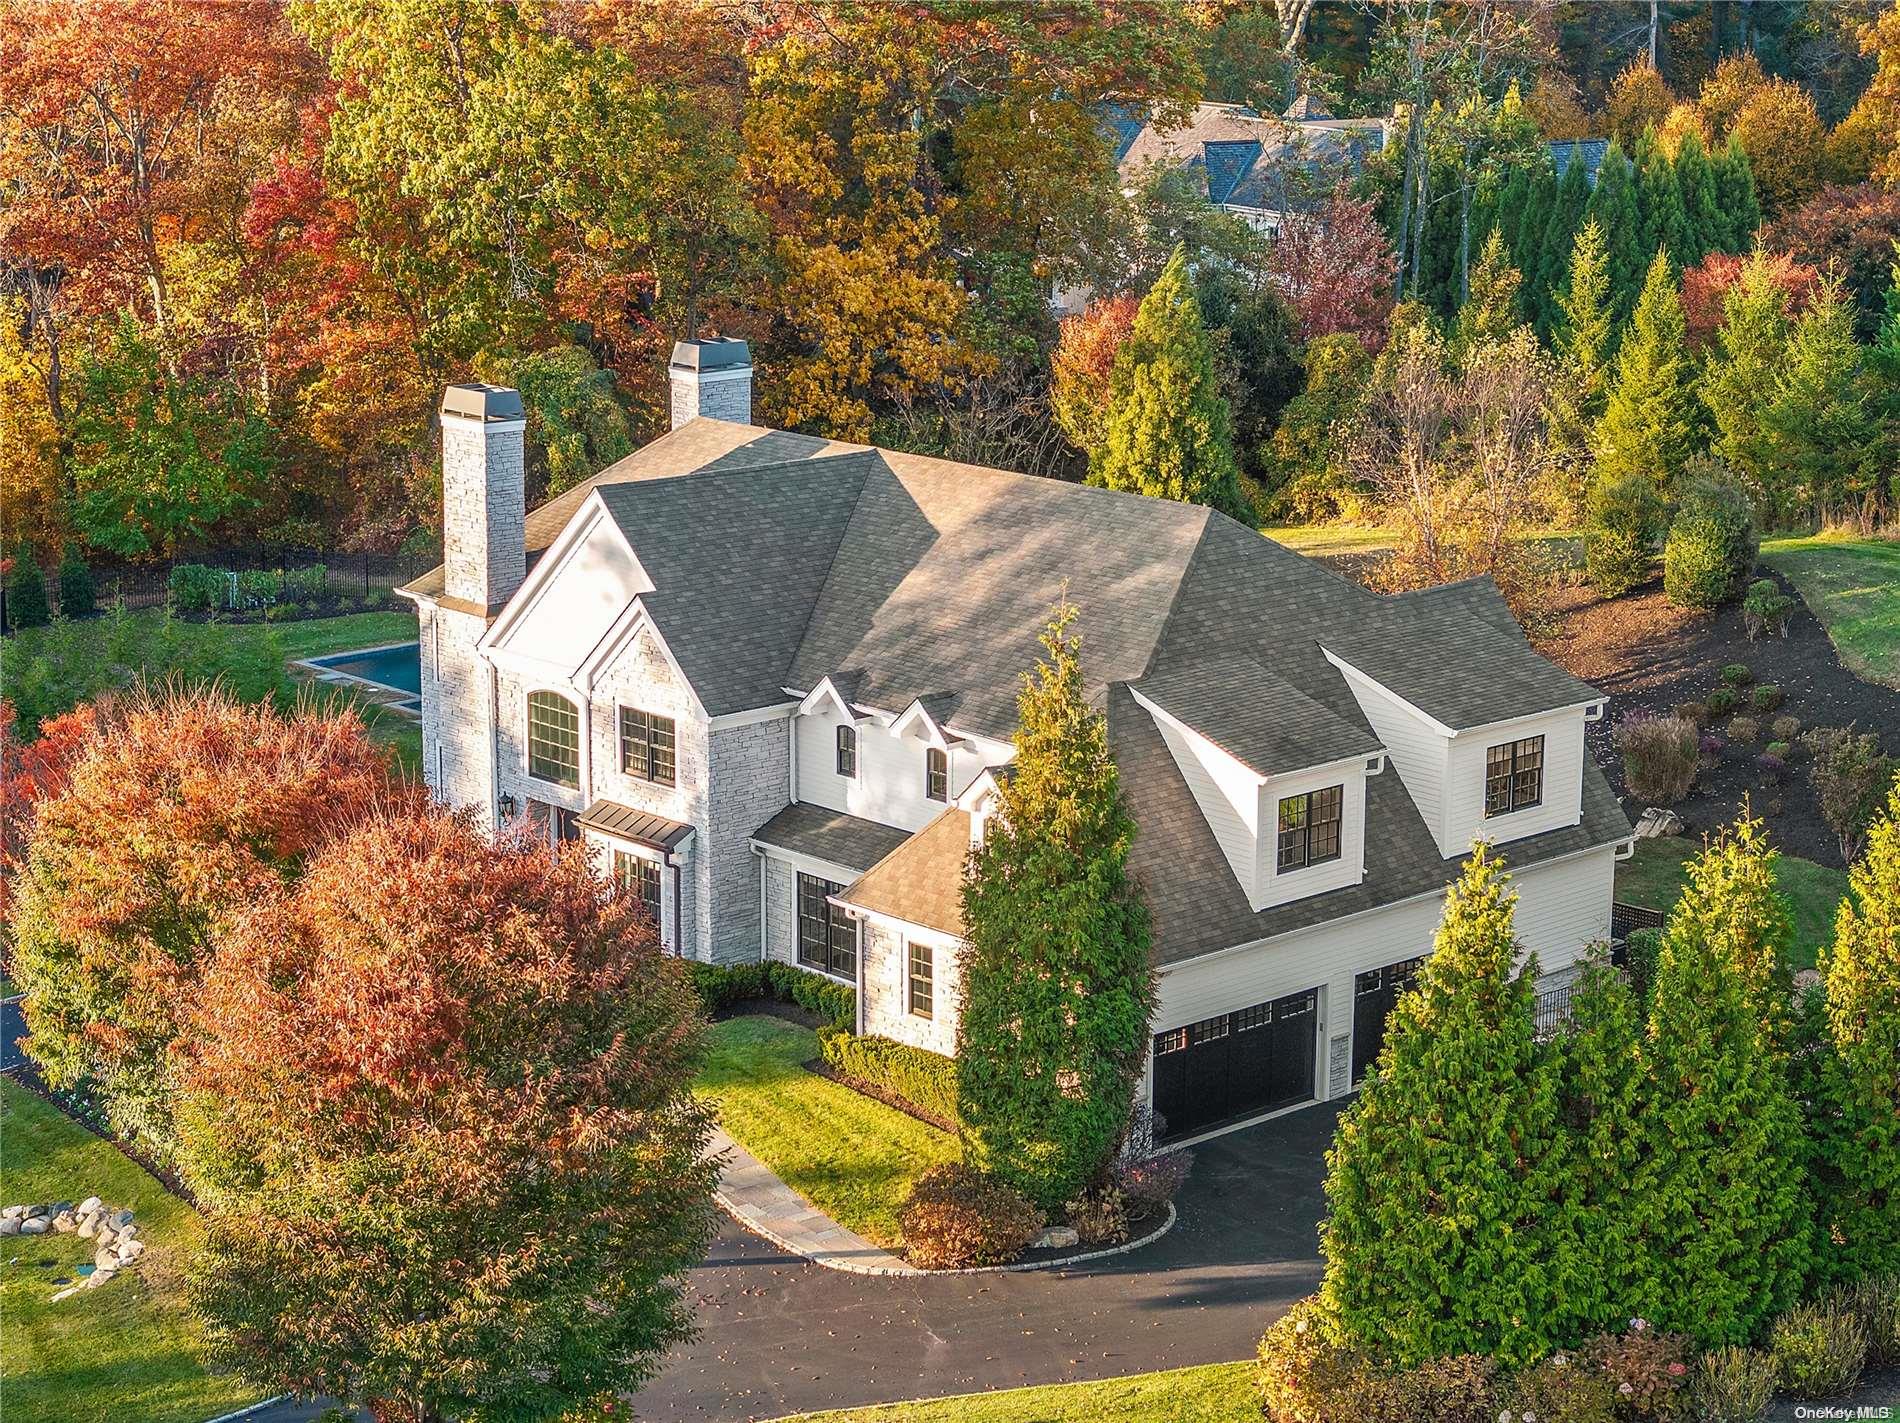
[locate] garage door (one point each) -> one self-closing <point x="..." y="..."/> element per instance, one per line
<point x="1236" y="1065"/>
<point x="1373" y="995"/>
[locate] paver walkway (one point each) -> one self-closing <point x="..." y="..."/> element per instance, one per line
<point x="755" y="1197"/>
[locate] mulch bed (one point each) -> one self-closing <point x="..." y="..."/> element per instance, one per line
<point x="769" y="1008"/>
<point x="1648" y="654"/>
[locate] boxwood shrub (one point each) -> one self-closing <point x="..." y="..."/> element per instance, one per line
<point x="925" y="1079"/>
<point x="1711" y="547"/>
<point x="722" y="985"/>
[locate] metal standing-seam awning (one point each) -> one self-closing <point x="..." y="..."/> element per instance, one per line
<point x="640" y="827"/>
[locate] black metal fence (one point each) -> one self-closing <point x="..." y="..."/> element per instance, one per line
<point x="1627" y="917"/>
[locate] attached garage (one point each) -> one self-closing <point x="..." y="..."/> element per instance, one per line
<point x="1373" y="995"/>
<point x="1238" y="1064"/>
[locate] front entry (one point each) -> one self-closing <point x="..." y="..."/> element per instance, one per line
<point x="1373" y="995"/>
<point x="1239" y="1064"/>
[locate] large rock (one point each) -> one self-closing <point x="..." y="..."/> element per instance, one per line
<point x="120" y="1218"/>
<point x="1057" y="1237"/>
<point x="130" y="1250"/>
<point x="101" y="1275"/>
<point x="89" y="1206"/>
<point x="9" y="1212"/>
<point x="65" y="1223"/>
<point x="10" y="1225"/>
<point x="105" y="1258"/>
<point x="86" y="1227"/>
<point x="33" y="1212"/>
<point x="38" y="1225"/>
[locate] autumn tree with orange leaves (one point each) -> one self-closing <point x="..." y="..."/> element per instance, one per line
<point x="177" y="814"/>
<point x="438" y="1103"/>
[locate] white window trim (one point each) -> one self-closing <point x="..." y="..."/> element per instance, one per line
<point x="620" y="759"/>
<point x="583" y="770"/>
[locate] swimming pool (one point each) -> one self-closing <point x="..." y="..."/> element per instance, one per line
<point x="394" y="668"/>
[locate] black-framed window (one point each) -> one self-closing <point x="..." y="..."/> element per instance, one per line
<point x="936" y="774"/>
<point x="646" y="746"/>
<point x="923" y="979"/>
<point x="641" y="876"/>
<point x="1514" y="776"/>
<point x="848" y="751"/>
<point x="1309" y="827"/>
<point x="827" y="939"/>
<point x="554" y="739"/>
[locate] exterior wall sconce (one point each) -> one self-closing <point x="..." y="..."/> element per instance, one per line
<point x="507" y="807"/>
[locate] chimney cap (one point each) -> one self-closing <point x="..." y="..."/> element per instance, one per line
<point x="475" y="401"/>
<point x="714" y="353"/>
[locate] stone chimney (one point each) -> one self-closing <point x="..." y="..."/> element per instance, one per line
<point x="484" y="501"/>
<point x="711" y="377"/>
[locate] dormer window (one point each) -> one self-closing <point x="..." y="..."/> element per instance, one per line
<point x="1309" y="828"/>
<point x="848" y="752"/>
<point x="1514" y="776"/>
<point x="554" y="739"/>
<point x="936" y="774"/>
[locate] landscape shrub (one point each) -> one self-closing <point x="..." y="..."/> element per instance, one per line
<point x="1781" y="750"/>
<point x="1819" y="1350"/>
<point x="26" y="594"/>
<point x="1721" y="701"/>
<point x="1785" y="728"/>
<point x="1711" y="546"/>
<point x="925" y="1079"/>
<point x="1766" y="610"/>
<point x="1660" y="755"/>
<point x="1732" y="1385"/>
<point x="1772" y="766"/>
<point x="1647" y="1367"/>
<point x="1642" y="950"/>
<point x="1697" y="712"/>
<point x="1850" y="776"/>
<point x="258" y="587"/>
<point x="1099" y="1217"/>
<point x="1711" y="747"/>
<point x="1153" y="1181"/>
<point x="1743" y="730"/>
<point x="1306" y="1375"/>
<point x="1766" y="698"/>
<point x="956" y="1217"/>
<point x="1737" y="674"/>
<point x="1875" y="1302"/>
<point x="305" y="584"/>
<point x="196" y="588"/>
<point x="1561" y="1389"/>
<point x="1626" y="522"/>
<point x="722" y="985"/>
<point x="77" y="597"/>
<point x="1462" y="1389"/>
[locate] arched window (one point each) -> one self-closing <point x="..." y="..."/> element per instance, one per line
<point x="554" y="739"/>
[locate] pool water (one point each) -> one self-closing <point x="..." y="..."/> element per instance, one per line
<point x="398" y="668"/>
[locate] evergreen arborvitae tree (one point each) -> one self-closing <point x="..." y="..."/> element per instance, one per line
<point x="1703" y="228"/>
<point x="1584" y="328"/>
<point x="1447" y="1232"/>
<point x="1545" y="284"/>
<point x="1819" y="428"/>
<point x="77" y="598"/>
<point x="1755" y="935"/>
<point x="1858" y="1127"/>
<point x="1058" y="983"/>
<point x="1512" y="201"/>
<point x="26" y="593"/>
<point x="1722" y="1189"/>
<point x="1168" y="430"/>
<point x="1603" y="1105"/>
<point x="1649" y="420"/>
<point x="1744" y="367"/>
<point x="1491" y="312"/>
<point x="1527" y="248"/>
<point x="1659" y="202"/>
<point x="1613" y="208"/>
<point x="1735" y="196"/>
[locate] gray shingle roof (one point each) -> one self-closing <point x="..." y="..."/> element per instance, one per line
<point x="846" y="840"/>
<point x="1256" y="717"/>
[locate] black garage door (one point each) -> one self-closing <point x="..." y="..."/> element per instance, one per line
<point x="1236" y="1065"/>
<point x="1373" y="995"/>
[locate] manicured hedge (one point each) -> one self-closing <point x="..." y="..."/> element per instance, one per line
<point x="722" y="985"/>
<point x="925" y="1079"/>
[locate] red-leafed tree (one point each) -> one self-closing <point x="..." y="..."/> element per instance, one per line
<point x="1079" y="369"/>
<point x="30" y="772"/>
<point x="1853" y="229"/>
<point x="1705" y="284"/>
<point x="1334" y="267"/>
<point x="178" y="813"/>
<point x="439" y="1107"/>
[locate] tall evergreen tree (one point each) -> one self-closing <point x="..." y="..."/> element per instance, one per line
<point x="1493" y="310"/>
<point x="1527" y="245"/>
<point x="1722" y="1189"/>
<point x="1058" y="985"/>
<point x="1858" y="1132"/>
<point x="1168" y="430"/>
<point x="1744" y="368"/>
<point x="1446" y="1233"/>
<point x="1819" y="427"/>
<point x="1659" y="201"/>
<point x="1545" y="283"/>
<point x="1603" y="1105"/>
<point x="1735" y="197"/>
<point x="1755" y="934"/>
<point x="1583" y="344"/>
<point x="1704" y="227"/>
<point x="1649" y="421"/>
<point x="1612" y="207"/>
<point x="1512" y="201"/>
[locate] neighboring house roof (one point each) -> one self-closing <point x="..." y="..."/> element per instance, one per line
<point x="1256" y="717"/>
<point x="1589" y="151"/>
<point x="920" y="882"/>
<point x="830" y="835"/>
<point x="1227" y="163"/>
<point x="1270" y="162"/>
<point x="643" y="828"/>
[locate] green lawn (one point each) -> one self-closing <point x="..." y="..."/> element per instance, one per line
<point x="850" y="1156"/>
<point x="1209" y="1393"/>
<point x="1655" y="877"/>
<point x="317" y="636"/>
<point x="1326" y="540"/>
<point x="1853" y="587"/>
<point x="126" y="1350"/>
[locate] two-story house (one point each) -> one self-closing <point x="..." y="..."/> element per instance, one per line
<point x="770" y="681"/>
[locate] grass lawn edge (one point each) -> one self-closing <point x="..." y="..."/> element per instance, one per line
<point x="1148" y="1399"/>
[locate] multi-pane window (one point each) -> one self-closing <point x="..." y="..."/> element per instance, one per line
<point x="936" y="774"/>
<point x="639" y="876"/>
<point x="827" y="939"/>
<point x="923" y="985"/>
<point x="1514" y="776"/>
<point x="848" y="751"/>
<point x="1309" y="827"/>
<point x="646" y="746"/>
<point x="554" y="739"/>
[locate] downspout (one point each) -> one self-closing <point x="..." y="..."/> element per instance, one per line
<point x="765" y="901"/>
<point x="494" y="744"/>
<point x="674" y="865"/>
<point x="857" y="922"/>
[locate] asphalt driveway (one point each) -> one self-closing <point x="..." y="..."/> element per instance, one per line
<point x="779" y="1335"/>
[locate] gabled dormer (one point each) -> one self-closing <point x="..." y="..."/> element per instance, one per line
<point x="1279" y="779"/>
